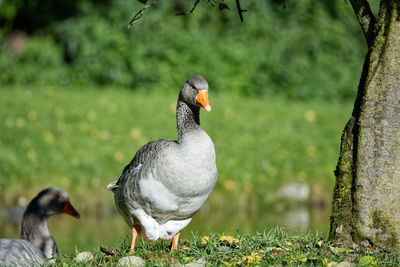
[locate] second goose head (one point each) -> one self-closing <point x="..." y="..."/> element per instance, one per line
<point x="51" y="201"/>
<point x="48" y="202"/>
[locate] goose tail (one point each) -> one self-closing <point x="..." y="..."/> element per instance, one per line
<point x="113" y="186"/>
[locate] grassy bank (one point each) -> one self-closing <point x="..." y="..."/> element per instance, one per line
<point x="275" y="247"/>
<point x="80" y="139"/>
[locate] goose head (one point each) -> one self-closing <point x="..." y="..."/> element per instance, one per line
<point x="48" y="202"/>
<point x="52" y="201"/>
<point x="195" y="92"/>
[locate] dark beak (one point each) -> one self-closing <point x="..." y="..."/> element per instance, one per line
<point x="68" y="209"/>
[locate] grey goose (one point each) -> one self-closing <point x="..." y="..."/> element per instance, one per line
<point x="167" y="182"/>
<point x="36" y="243"/>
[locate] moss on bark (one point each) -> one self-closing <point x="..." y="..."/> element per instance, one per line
<point x="342" y="204"/>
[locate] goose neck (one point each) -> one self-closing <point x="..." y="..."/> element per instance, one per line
<point x="34" y="229"/>
<point x="187" y="118"/>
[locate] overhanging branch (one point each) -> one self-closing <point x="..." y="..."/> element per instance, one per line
<point x="221" y="6"/>
<point x="191" y="11"/>
<point x="240" y="10"/>
<point x="366" y="19"/>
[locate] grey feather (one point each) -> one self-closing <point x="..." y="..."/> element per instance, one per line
<point x="145" y="154"/>
<point x="19" y="252"/>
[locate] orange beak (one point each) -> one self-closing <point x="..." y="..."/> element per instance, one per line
<point x="202" y="99"/>
<point x="68" y="209"/>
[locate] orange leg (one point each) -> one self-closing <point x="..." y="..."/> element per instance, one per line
<point x="174" y="244"/>
<point x="134" y="235"/>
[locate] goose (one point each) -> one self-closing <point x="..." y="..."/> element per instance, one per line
<point x="36" y="243"/>
<point x="167" y="182"/>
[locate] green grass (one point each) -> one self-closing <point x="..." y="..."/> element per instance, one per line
<point x="262" y="249"/>
<point x="81" y="138"/>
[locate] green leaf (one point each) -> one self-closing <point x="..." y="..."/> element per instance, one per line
<point x="366" y="260"/>
<point x="139" y="14"/>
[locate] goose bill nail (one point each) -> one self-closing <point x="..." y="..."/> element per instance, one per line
<point x="202" y="99"/>
<point x="68" y="209"/>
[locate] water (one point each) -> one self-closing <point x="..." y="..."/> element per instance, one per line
<point x="110" y="230"/>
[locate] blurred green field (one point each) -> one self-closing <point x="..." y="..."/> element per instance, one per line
<point x="81" y="138"/>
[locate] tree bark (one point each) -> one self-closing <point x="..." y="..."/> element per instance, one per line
<point x="366" y="202"/>
<point x="366" y="19"/>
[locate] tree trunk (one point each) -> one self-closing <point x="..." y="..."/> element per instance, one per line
<point x="366" y="201"/>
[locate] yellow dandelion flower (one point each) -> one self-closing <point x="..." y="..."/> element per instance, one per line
<point x="95" y="133"/>
<point x="252" y="259"/>
<point x="118" y="155"/>
<point x="310" y="116"/>
<point x="247" y="187"/>
<point x="172" y="107"/>
<point x="62" y="127"/>
<point x="367" y="261"/>
<point x="311" y="150"/>
<point x="20" y="122"/>
<point x="229" y="184"/>
<point x="49" y="137"/>
<point x="91" y="115"/>
<point x="228" y="240"/>
<point x="31" y="155"/>
<point x="301" y="176"/>
<point x="32" y="115"/>
<point x="233" y="161"/>
<point x="135" y="133"/>
<point x="271" y="171"/>
<point x="205" y="240"/>
<point x="103" y="101"/>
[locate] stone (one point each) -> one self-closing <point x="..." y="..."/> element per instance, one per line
<point x="199" y="263"/>
<point x="84" y="256"/>
<point x="296" y="191"/>
<point x="341" y="264"/>
<point x="131" y="261"/>
<point x="223" y="248"/>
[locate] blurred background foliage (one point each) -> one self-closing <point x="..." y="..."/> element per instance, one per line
<point x="310" y="49"/>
